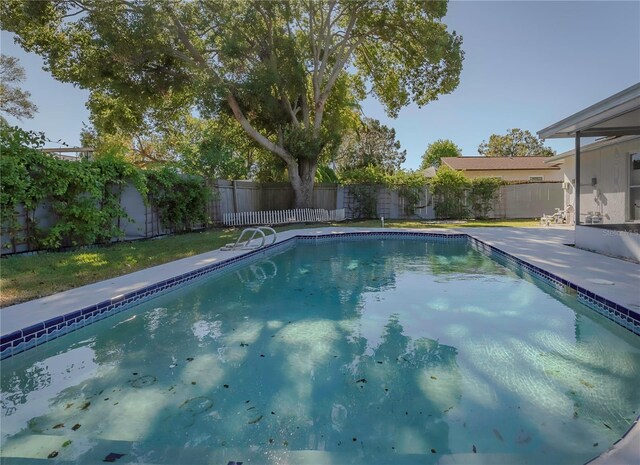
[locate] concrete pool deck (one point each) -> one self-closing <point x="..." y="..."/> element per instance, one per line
<point x="546" y="248"/>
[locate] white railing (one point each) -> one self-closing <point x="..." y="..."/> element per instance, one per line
<point x="304" y="215"/>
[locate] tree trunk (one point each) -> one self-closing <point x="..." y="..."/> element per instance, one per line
<point x="302" y="181"/>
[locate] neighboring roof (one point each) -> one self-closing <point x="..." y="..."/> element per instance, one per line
<point x="429" y="172"/>
<point x="597" y="145"/>
<point x="497" y="163"/>
<point x="617" y="115"/>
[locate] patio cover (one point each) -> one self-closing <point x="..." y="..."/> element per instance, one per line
<point x="618" y="115"/>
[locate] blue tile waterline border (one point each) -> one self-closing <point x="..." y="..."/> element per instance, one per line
<point x="40" y="333"/>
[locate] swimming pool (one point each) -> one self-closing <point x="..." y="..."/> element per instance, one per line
<point x="369" y="351"/>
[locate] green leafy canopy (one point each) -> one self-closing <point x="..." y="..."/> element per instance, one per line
<point x="290" y="72"/>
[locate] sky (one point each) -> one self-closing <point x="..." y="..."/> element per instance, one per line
<point x="528" y="64"/>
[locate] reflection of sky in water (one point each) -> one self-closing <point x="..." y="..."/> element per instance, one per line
<point x="371" y="349"/>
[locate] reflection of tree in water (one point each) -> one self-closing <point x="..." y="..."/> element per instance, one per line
<point x="17" y="384"/>
<point x="221" y="323"/>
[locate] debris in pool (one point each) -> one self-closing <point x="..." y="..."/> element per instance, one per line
<point x="193" y="382"/>
<point x="575" y="414"/>
<point x="66" y="443"/>
<point x="255" y="420"/>
<point x="475" y="451"/>
<point x="273" y="413"/>
<point x="226" y="386"/>
<point x="244" y="344"/>
<point x="270" y="440"/>
<point x="251" y="408"/>
<point x="586" y="383"/>
<point x="234" y="463"/>
<point x="68" y="406"/>
<point x="76" y="427"/>
<point x="433" y="451"/>
<point x="106" y="398"/>
<point x="135" y="373"/>
<point x="53" y="454"/>
<point x="386" y="389"/>
<point x="523" y="438"/>
<point x="285" y="443"/>
<point x="197" y="405"/>
<point x="261" y="355"/>
<point x="445" y="411"/>
<point x="361" y="380"/>
<point x="143" y="381"/>
<point x="86" y="405"/>
<point x="58" y="426"/>
<point x="609" y="427"/>
<point x="189" y="359"/>
<point x="379" y="363"/>
<point x="247" y="401"/>
<point x="498" y="435"/>
<point x="595" y="444"/>
<point x="112" y="457"/>
<point x="433" y="377"/>
<point x="354" y="439"/>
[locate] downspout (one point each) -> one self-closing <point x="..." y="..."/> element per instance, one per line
<point x="577" y="192"/>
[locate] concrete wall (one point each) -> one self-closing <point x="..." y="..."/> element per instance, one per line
<point x="516" y="175"/>
<point x="619" y="243"/>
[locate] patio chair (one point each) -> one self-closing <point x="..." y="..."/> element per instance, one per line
<point x="559" y="217"/>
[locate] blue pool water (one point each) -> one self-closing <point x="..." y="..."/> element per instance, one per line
<point x="371" y="352"/>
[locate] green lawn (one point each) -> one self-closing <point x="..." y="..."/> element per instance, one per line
<point x="28" y="277"/>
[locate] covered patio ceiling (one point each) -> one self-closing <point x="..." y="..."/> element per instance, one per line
<point x="618" y="115"/>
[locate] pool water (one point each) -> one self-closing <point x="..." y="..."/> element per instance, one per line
<point x="371" y="351"/>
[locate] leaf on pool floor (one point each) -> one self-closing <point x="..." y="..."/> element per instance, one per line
<point x="586" y="383"/>
<point x="189" y="359"/>
<point x="58" y="426"/>
<point x="85" y="406"/>
<point x="52" y="454"/>
<point x="66" y="443"/>
<point x="361" y="380"/>
<point x="433" y="377"/>
<point x="76" y="427"/>
<point x="475" y="451"/>
<point x="255" y="420"/>
<point x="609" y="427"/>
<point x="498" y="435"/>
<point x="112" y="457"/>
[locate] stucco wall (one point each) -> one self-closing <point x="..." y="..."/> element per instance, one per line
<point x="516" y="175"/>
<point x="611" y="167"/>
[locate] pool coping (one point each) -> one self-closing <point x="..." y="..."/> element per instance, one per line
<point x="36" y="322"/>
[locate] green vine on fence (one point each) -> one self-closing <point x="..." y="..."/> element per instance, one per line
<point x="456" y="196"/>
<point x="365" y="183"/>
<point x="180" y="200"/>
<point x="82" y="199"/>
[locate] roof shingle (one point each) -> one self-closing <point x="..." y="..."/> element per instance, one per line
<point x="497" y="163"/>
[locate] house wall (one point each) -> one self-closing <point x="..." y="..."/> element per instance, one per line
<point x="516" y="175"/>
<point x="611" y="167"/>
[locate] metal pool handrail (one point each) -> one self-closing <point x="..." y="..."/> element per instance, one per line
<point x="246" y="244"/>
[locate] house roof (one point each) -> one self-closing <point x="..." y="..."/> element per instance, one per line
<point x="617" y="115"/>
<point x="497" y="163"/>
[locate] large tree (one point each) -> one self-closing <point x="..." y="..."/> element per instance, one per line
<point x="516" y="143"/>
<point x="13" y="100"/>
<point x="286" y="70"/>
<point x="437" y="150"/>
<point x="371" y="143"/>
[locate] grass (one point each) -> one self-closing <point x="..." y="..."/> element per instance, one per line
<point x="28" y="277"/>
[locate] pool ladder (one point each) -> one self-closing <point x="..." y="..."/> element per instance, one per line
<point x="245" y="242"/>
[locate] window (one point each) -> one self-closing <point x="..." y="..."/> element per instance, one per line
<point x="536" y="178"/>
